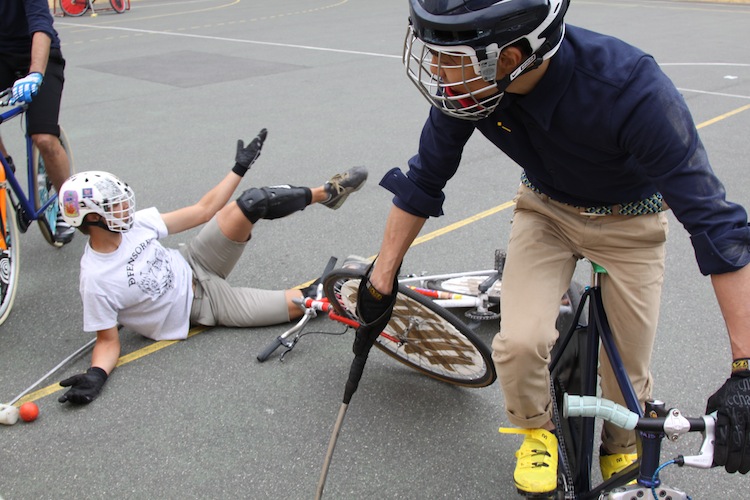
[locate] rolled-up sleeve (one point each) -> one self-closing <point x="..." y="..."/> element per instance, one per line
<point x="420" y="191"/>
<point x="672" y="154"/>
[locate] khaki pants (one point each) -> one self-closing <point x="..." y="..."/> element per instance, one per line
<point x="212" y="256"/>
<point x="546" y="240"/>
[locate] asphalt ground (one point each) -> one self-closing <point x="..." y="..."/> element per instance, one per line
<point x="159" y="95"/>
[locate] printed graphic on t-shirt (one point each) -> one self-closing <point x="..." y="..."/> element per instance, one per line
<point x="156" y="276"/>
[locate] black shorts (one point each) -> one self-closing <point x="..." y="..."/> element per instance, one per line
<point x="44" y="111"/>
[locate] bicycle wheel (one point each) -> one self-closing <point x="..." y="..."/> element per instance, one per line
<point x="118" y="5"/>
<point x="9" y="256"/>
<point x="420" y="334"/>
<point x="45" y="191"/>
<point x="74" y="8"/>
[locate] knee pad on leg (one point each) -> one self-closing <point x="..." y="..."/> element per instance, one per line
<point x="273" y="202"/>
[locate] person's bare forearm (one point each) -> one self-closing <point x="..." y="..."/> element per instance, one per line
<point x="40" y="45"/>
<point x="400" y="230"/>
<point x="215" y="199"/>
<point x="106" y="350"/>
<point x="732" y="292"/>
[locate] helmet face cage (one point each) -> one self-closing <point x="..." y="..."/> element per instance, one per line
<point x="426" y="62"/>
<point x="100" y="193"/>
<point x="472" y="41"/>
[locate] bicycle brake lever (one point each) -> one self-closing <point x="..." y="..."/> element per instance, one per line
<point x="705" y="457"/>
<point x="289" y="346"/>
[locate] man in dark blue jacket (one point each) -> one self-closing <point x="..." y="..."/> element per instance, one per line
<point x="605" y="142"/>
<point x="32" y="63"/>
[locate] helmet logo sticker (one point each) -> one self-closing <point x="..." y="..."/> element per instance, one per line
<point x="87" y="192"/>
<point x="108" y="188"/>
<point x="70" y="204"/>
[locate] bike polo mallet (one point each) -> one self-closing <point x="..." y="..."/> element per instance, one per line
<point x="9" y="413"/>
<point x="364" y="339"/>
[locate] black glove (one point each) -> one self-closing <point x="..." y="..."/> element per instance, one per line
<point x="374" y="310"/>
<point x="732" y="404"/>
<point x="84" y="388"/>
<point x="246" y="156"/>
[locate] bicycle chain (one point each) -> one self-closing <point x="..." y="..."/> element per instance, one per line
<point x="569" y="488"/>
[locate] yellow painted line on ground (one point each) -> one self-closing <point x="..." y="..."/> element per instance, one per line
<point x="156" y="346"/>
<point x="725" y="115"/>
<point x="461" y="223"/>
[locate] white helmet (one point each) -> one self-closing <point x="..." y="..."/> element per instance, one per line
<point x="97" y="193"/>
<point x="442" y="30"/>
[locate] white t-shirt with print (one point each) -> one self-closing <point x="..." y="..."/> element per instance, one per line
<point x="142" y="285"/>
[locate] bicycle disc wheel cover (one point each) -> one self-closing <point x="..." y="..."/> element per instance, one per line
<point x="9" y="262"/>
<point x="118" y="5"/>
<point x="422" y="335"/>
<point x="74" y="8"/>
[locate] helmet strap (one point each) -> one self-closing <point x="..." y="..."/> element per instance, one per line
<point x="529" y="64"/>
<point x="99" y="223"/>
<point x="487" y="64"/>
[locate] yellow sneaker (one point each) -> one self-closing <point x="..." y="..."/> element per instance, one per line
<point x="536" y="467"/>
<point x="609" y="465"/>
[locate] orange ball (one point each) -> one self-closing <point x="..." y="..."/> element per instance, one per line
<point x="28" y="411"/>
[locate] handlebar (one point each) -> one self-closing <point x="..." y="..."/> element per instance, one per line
<point x="673" y="425"/>
<point x="5" y="102"/>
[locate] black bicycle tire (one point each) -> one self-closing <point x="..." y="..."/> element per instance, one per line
<point x="65" y="6"/>
<point x="118" y="5"/>
<point x="45" y="220"/>
<point x="10" y="264"/>
<point x="459" y="345"/>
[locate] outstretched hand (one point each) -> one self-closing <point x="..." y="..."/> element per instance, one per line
<point x="246" y="155"/>
<point x="84" y="388"/>
<point x="732" y="406"/>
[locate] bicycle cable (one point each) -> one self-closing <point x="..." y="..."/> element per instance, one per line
<point x="655" y="477"/>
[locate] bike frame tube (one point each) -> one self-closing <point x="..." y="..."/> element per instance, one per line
<point x="3" y="209"/>
<point x="28" y="212"/>
<point x="597" y="331"/>
<point x="417" y="279"/>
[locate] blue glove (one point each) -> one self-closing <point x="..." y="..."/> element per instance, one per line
<point x="26" y="88"/>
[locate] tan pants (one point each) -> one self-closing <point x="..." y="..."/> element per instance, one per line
<point x="212" y="256"/>
<point x="546" y="240"/>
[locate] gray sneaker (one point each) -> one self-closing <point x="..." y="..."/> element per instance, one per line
<point x="342" y="185"/>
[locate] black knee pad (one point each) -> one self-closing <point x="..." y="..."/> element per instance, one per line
<point x="273" y="202"/>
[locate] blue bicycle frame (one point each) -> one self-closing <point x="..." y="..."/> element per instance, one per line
<point x="24" y="205"/>
<point x="597" y="331"/>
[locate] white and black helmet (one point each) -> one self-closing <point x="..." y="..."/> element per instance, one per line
<point x="440" y="30"/>
<point x="97" y="193"/>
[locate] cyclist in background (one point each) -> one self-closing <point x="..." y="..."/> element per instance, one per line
<point x="129" y="278"/>
<point x="605" y="142"/>
<point x="32" y="63"/>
